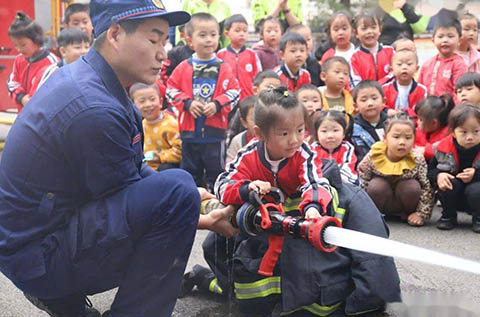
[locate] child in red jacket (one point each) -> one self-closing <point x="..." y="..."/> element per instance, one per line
<point x="432" y="113"/>
<point x="27" y="37"/>
<point x="371" y="60"/>
<point x="243" y="61"/>
<point x="440" y="73"/>
<point x="330" y="131"/>
<point x="403" y="93"/>
<point x="293" y="51"/>
<point x="204" y="89"/>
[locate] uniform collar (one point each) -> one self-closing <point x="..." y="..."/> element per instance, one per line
<point x="107" y="75"/>
<point x="230" y="49"/>
<point x="41" y="54"/>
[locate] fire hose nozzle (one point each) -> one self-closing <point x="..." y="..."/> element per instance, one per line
<point x="316" y="232"/>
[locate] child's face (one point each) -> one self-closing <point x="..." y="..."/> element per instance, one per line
<point x="446" y="41"/>
<point x="148" y="102"/>
<point x="368" y="33"/>
<point x="341" y="32"/>
<point x="427" y="126"/>
<point x="469" y="31"/>
<point x="204" y="38"/>
<point x="267" y="83"/>
<point x="286" y="135"/>
<point x="468" y="134"/>
<point x="370" y="103"/>
<point x="82" y="21"/>
<point x="307" y="35"/>
<point x="469" y="94"/>
<point x="330" y="134"/>
<point x="248" y="123"/>
<point x="294" y="55"/>
<point x="399" y="141"/>
<point x="311" y="99"/>
<point x="272" y="32"/>
<point x="74" y="51"/>
<point x="404" y="67"/>
<point x="336" y="76"/>
<point x="25" y="46"/>
<point x="238" y="34"/>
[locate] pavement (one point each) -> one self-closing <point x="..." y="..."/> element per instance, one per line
<point x="427" y="290"/>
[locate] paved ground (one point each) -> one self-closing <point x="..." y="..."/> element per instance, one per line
<point x="427" y="290"/>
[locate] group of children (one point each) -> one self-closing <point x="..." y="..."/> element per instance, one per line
<point x="242" y="120"/>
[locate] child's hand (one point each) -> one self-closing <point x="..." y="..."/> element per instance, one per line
<point x="443" y="181"/>
<point x="209" y="109"/>
<point x="415" y="220"/>
<point x="196" y="108"/>
<point x="25" y="99"/>
<point x="311" y="213"/>
<point x="467" y="175"/>
<point x="260" y="187"/>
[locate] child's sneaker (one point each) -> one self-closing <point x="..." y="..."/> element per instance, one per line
<point x="476" y="224"/>
<point x="446" y="223"/>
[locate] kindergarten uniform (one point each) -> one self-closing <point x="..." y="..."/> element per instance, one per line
<point x="404" y="98"/>
<point x="366" y="65"/>
<point x="428" y="141"/>
<point x="440" y="75"/>
<point x="203" y="139"/>
<point x="245" y="65"/>
<point x="290" y="80"/>
<point x="305" y="279"/>
<point x="27" y="73"/>
<point x="344" y="156"/>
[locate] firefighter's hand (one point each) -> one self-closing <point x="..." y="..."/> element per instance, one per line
<point x="209" y="109"/>
<point x="218" y="220"/>
<point x="196" y="108"/>
<point x="467" y="175"/>
<point x="260" y="187"/>
<point x="312" y="212"/>
<point x="444" y="181"/>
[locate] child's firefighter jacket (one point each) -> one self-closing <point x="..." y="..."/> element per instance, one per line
<point x="305" y="278"/>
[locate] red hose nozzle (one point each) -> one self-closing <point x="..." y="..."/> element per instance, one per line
<point x="316" y="231"/>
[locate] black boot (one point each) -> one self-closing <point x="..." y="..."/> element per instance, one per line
<point x="73" y="306"/>
<point x="199" y="276"/>
<point x="476" y="224"/>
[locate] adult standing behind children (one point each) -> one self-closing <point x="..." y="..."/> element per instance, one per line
<point x="27" y="37"/>
<point x="79" y="212"/>
<point x="203" y="89"/>
<point x="289" y="12"/>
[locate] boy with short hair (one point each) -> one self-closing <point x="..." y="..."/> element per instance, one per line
<point x="368" y="123"/>
<point x="467" y="46"/>
<point x="204" y="89"/>
<point x="335" y="73"/>
<point x="440" y="73"/>
<point x="162" y="145"/>
<point x="311" y="63"/>
<point x="404" y="44"/>
<point x="265" y="80"/>
<point x="293" y="51"/>
<point x="243" y="61"/>
<point x="403" y="93"/>
<point x="72" y="44"/>
<point x="77" y="15"/>
<point x="177" y="54"/>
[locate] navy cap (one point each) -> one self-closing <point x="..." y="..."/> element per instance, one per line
<point x="104" y="13"/>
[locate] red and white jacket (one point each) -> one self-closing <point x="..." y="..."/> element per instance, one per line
<point x="440" y="75"/>
<point x="26" y="75"/>
<point x="180" y="95"/>
<point x="417" y="93"/>
<point x="344" y="156"/>
<point x="245" y="65"/>
<point x="299" y="175"/>
<point x="364" y="66"/>
<point x="429" y="140"/>
<point x="291" y="81"/>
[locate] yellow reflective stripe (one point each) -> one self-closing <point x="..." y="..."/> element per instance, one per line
<point x="291" y="204"/>
<point x="214" y="287"/>
<point x="261" y="288"/>
<point x="316" y="309"/>
<point x="340" y="213"/>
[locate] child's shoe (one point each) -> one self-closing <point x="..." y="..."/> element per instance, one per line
<point x="446" y="223"/>
<point x="476" y="224"/>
